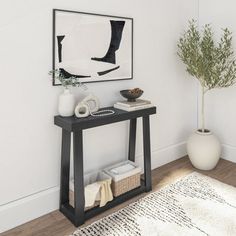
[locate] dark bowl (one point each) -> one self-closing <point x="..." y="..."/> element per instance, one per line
<point x="131" y="96"/>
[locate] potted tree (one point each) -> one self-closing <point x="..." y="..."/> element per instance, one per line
<point x="214" y="66"/>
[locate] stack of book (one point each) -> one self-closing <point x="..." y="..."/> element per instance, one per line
<point x="133" y="106"/>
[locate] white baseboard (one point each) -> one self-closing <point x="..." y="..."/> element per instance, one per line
<point x="165" y="155"/>
<point x="229" y="152"/>
<point x="28" y="208"/>
<point x="31" y="207"/>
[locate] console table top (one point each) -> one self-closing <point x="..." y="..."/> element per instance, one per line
<point x="73" y="123"/>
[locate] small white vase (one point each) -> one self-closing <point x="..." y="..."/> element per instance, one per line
<point x="204" y="150"/>
<point x="66" y="103"/>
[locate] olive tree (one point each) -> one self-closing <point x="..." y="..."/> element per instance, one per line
<point x="211" y="63"/>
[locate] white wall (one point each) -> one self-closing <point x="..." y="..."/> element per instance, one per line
<point x="30" y="143"/>
<point x="220" y="103"/>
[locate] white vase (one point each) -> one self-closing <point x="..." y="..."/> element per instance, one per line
<point x="204" y="150"/>
<point x="66" y="103"/>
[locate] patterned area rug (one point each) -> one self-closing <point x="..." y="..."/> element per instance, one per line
<point x="193" y="206"/>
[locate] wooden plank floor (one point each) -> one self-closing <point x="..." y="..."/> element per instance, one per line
<point x="55" y="224"/>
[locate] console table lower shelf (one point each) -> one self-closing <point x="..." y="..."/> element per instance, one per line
<point x="69" y="211"/>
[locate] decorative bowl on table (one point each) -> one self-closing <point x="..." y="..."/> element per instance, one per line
<point x="131" y="94"/>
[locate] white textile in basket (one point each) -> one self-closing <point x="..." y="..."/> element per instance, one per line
<point x="122" y="170"/>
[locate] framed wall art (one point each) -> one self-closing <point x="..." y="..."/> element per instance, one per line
<point x="92" y="47"/>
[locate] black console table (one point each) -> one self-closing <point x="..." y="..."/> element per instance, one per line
<point x="77" y="215"/>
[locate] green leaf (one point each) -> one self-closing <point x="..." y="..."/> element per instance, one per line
<point x="212" y="63"/>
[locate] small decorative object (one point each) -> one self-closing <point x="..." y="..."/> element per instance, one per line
<point x="104" y="112"/>
<point x="66" y="104"/>
<point x="82" y="110"/>
<point x="92" y="102"/>
<point x="131" y="94"/>
<point x="90" y="106"/>
<point x="92" y="47"/>
<point x="214" y="66"/>
<point x="87" y="106"/>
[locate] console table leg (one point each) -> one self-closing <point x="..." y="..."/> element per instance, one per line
<point x="147" y="153"/>
<point x="65" y="167"/>
<point x="78" y="178"/>
<point x="132" y="139"/>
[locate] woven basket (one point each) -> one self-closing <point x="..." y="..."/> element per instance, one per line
<point x="125" y="185"/>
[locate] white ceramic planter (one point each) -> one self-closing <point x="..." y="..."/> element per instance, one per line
<point x="66" y="103"/>
<point x="204" y="150"/>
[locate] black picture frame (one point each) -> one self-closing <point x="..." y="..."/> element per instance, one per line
<point x="54" y="22"/>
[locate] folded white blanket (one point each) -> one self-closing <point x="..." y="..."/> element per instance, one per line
<point x="122" y="169"/>
<point x="92" y="194"/>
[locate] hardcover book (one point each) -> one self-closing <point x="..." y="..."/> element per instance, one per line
<point x="138" y="102"/>
<point x="135" y="108"/>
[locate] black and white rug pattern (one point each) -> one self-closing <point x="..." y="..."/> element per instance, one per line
<point x="195" y="205"/>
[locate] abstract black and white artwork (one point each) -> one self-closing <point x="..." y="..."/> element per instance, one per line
<point x="92" y="47"/>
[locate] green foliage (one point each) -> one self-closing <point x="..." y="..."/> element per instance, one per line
<point x="213" y="64"/>
<point x="67" y="82"/>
